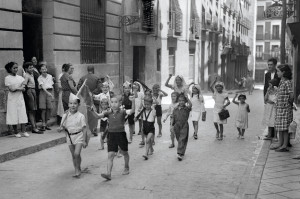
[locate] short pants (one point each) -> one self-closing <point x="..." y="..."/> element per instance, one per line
<point x="115" y="140"/>
<point x="158" y="110"/>
<point x="45" y="101"/>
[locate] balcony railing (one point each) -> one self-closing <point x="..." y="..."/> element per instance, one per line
<point x="276" y="37"/>
<point x="265" y="56"/>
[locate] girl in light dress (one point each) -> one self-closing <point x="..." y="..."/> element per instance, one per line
<point x="269" y="111"/>
<point x="16" y="110"/>
<point x="221" y="102"/>
<point x="197" y="108"/>
<point x="241" y="120"/>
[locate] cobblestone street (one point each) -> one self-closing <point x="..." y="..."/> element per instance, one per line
<point x="210" y="169"/>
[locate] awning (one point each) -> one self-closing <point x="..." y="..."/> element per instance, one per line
<point x="293" y="31"/>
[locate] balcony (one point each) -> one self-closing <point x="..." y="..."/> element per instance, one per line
<point x="175" y="24"/>
<point x="195" y="29"/>
<point x="276" y="37"/>
<point x="265" y="56"/>
<point x="259" y="55"/>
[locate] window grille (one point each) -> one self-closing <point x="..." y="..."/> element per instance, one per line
<point x="195" y="21"/>
<point x="148" y="15"/>
<point x="92" y="38"/>
<point x="175" y="17"/>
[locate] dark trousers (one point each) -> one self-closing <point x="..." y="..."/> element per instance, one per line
<point x="271" y="132"/>
<point x="182" y="136"/>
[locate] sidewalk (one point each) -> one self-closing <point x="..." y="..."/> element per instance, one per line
<point x="281" y="174"/>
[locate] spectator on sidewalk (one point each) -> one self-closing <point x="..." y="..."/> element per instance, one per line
<point x="36" y="74"/>
<point x="46" y="95"/>
<point x="271" y="74"/>
<point x="284" y="107"/>
<point x="68" y="84"/>
<point x="60" y="108"/>
<point x="269" y="111"/>
<point x="16" y="110"/>
<point x="30" y="96"/>
<point x="92" y="80"/>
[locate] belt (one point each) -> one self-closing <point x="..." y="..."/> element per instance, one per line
<point x="73" y="133"/>
<point x="49" y="89"/>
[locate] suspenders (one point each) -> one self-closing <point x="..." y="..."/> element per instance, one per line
<point x="147" y="116"/>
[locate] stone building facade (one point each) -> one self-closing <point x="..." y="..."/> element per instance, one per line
<point x="61" y="31"/>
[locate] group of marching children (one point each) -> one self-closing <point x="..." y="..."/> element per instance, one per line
<point x="140" y="104"/>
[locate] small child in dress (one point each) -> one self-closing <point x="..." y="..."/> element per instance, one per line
<point x="30" y="96"/>
<point x="197" y="108"/>
<point x="127" y="103"/>
<point x="172" y="106"/>
<point x="149" y="115"/>
<point x="73" y="122"/>
<point x="104" y="105"/>
<point x="16" y="110"/>
<point x="241" y="120"/>
<point x="269" y="112"/>
<point x="116" y="134"/>
<point x="158" y="94"/>
<point x="220" y="97"/>
<point x="46" y="97"/>
<point x="180" y="122"/>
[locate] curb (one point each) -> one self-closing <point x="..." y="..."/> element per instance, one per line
<point x="254" y="180"/>
<point x="31" y="149"/>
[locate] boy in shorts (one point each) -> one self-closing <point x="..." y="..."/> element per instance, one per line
<point x="30" y="96"/>
<point x="45" y="81"/>
<point x="116" y="134"/>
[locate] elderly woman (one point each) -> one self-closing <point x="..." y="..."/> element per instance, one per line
<point x="284" y="107"/>
<point x="68" y="84"/>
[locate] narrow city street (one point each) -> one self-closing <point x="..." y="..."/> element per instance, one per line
<point x="210" y="169"/>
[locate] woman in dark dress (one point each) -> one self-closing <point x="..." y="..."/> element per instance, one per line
<point x="68" y="84"/>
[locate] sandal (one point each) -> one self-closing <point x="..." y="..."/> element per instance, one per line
<point x="195" y="136"/>
<point x="145" y="157"/>
<point x="172" y="146"/>
<point x="159" y="135"/>
<point x="274" y="147"/>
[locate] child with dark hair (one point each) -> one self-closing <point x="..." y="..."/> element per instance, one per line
<point x="180" y="122"/>
<point x="269" y="111"/>
<point x="149" y="115"/>
<point x="241" y="120"/>
<point x="46" y="95"/>
<point x="117" y="139"/>
<point x="221" y="102"/>
<point x="172" y="106"/>
<point x="16" y="110"/>
<point x="30" y="95"/>
<point x="197" y="108"/>
<point x="74" y="125"/>
<point x="104" y="107"/>
<point x="158" y="94"/>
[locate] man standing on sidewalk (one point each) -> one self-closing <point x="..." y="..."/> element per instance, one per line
<point x="271" y="74"/>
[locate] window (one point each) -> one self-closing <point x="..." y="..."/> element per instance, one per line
<point x="260" y="32"/>
<point x="260" y="12"/>
<point x="92" y="39"/>
<point x="275" y="32"/>
<point x="175" y="17"/>
<point x="259" y="52"/>
<point x="172" y="60"/>
<point x="32" y="29"/>
<point x="275" y="51"/>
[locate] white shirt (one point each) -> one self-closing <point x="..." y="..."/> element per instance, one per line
<point x="102" y="96"/>
<point x="272" y="75"/>
<point x="151" y="117"/>
<point x="46" y="81"/>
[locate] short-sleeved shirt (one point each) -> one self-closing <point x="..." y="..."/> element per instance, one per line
<point x="29" y="80"/>
<point x="158" y="98"/>
<point x="74" y="122"/>
<point x="116" y="120"/>
<point x="151" y="117"/>
<point x="46" y="81"/>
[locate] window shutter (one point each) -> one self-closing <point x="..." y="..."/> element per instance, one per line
<point x="176" y="14"/>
